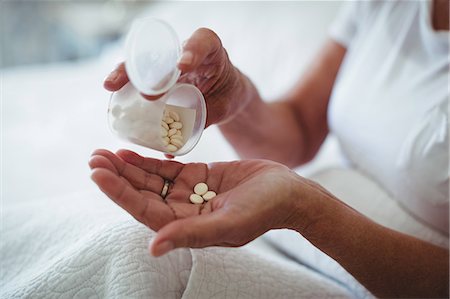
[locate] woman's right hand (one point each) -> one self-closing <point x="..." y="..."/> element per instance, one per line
<point x="204" y="63"/>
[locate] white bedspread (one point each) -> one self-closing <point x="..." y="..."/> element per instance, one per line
<point x="82" y="246"/>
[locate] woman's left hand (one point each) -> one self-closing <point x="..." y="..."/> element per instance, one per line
<point x="253" y="197"/>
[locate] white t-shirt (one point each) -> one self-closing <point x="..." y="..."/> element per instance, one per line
<point x="389" y="107"/>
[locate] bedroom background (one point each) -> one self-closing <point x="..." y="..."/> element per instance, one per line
<point x="55" y="54"/>
<point x="60" y="236"/>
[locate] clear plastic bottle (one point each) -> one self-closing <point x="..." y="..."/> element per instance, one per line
<point x="152" y="52"/>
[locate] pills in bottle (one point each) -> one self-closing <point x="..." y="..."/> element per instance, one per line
<point x="152" y="51"/>
<point x="170" y="128"/>
<point x="171" y="132"/>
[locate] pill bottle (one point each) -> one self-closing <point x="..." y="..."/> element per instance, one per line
<point x="152" y="50"/>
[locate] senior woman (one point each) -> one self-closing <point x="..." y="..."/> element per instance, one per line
<point x="379" y="84"/>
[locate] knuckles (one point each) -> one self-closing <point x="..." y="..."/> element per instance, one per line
<point x="209" y="35"/>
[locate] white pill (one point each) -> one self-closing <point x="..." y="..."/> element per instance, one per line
<point x="172" y="132"/>
<point x="172" y="148"/>
<point x="174" y="115"/>
<point x="166" y="141"/>
<point x="179" y="137"/>
<point x="195" y="198"/>
<point x="164" y="132"/>
<point x="201" y="188"/>
<point x="178" y="143"/>
<point x="165" y="126"/>
<point x="209" y="195"/>
<point x="176" y="125"/>
<point x="178" y="133"/>
<point x="168" y="120"/>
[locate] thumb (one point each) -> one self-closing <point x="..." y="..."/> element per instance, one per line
<point x="116" y="79"/>
<point x="197" y="48"/>
<point x="194" y="232"/>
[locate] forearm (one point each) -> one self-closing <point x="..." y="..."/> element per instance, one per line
<point x="292" y="129"/>
<point x="386" y="262"/>
<point x="263" y="130"/>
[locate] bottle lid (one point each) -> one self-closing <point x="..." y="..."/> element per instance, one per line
<point x="152" y="50"/>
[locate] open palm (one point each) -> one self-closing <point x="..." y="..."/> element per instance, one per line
<point x="251" y="196"/>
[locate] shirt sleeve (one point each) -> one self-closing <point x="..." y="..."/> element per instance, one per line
<point x="344" y="27"/>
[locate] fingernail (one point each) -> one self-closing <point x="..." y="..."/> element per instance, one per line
<point x="113" y="76"/>
<point x="163" y="248"/>
<point x="186" y="58"/>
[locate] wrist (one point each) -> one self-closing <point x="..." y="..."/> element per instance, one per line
<point x="240" y="94"/>
<point x="307" y="205"/>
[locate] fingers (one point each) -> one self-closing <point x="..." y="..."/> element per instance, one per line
<point x="147" y="210"/>
<point x="97" y="161"/>
<point x="138" y="177"/>
<point x="152" y="98"/>
<point x="116" y="79"/>
<point x="194" y="232"/>
<point x="203" y="43"/>
<point x="166" y="169"/>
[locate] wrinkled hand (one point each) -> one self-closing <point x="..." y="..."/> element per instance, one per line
<point x="205" y="64"/>
<point x="253" y="197"/>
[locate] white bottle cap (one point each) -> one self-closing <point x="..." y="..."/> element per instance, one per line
<point x="152" y="51"/>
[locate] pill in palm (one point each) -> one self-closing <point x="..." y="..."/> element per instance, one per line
<point x="196" y="199"/>
<point x="209" y="195"/>
<point x="201" y="191"/>
<point x="200" y="188"/>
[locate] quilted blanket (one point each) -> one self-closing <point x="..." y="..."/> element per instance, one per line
<point x="83" y="246"/>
